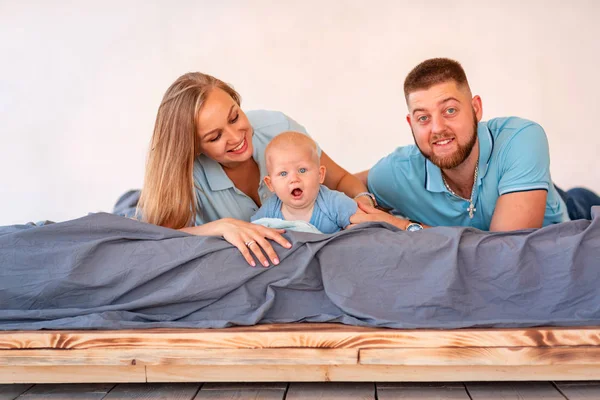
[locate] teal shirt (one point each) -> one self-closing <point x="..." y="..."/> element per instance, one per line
<point x="513" y="157"/>
<point x="216" y="195"/>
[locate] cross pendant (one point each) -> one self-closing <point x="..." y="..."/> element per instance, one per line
<point x="471" y="209"/>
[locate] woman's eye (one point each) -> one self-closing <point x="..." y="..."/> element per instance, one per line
<point x="233" y="121"/>
<point x="283" y="173"/>
<point x="302" y="170"/>
<point x="215" y="138"/>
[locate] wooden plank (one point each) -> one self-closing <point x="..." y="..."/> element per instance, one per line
<point x="331" y="391"/>
<point x="579" y="390"/>
<point x="513" y="390"/>
<point x="71" y="374"/>
<point x="190" y="356"/>
<point x="583" y="355"/>
<point x="147" y="391"/>
<point x="368" y="373"/>
<point x="241" y="373"/>
<point x="68" y="391"/>
<point x="299" y="335"/>
<point x="417" y="385"/>
<point x="10" y="392"/>
<point x="267" y="391"/>
<point x="245" y="385"/>
<point x="415" y="390"/>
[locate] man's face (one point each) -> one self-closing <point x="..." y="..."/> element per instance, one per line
<point x="443" y="120"/>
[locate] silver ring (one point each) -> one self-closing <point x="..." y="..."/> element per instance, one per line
<point x="248" y="244"/>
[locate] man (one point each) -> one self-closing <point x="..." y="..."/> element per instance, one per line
<point x="492" y="175"/>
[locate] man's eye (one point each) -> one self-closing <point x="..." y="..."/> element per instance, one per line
<point x="451" y="111"/>
<point x="422" y="118"/>
<point x="283" y="173"/>
<point x="302" y="170"/>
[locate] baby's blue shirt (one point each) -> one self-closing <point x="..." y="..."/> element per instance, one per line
<point x="332" y="210"/>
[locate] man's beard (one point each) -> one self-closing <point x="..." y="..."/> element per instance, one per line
<point x="454" y="160"/>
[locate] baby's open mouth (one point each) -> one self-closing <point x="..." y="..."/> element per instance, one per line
<point x="296" y="193"/>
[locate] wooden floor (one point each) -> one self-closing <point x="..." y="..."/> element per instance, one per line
<point x="298" y="391"/>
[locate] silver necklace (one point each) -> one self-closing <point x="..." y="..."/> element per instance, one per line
<point x="471" y="208"/>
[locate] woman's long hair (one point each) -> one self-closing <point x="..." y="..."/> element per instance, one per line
<point x="168" y="195"/>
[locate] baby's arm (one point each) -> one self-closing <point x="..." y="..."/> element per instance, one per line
<point x="344" y="207"/>
<point x="265" y="211"/>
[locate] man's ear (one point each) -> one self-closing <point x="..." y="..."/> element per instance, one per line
<point x="322" y="172"/>
<point x="408" y="119"/>
<point x="269" y="184"/>
<point x="478" y="107"/>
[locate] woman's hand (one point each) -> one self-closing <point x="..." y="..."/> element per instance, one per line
<point x="370" y="214"/>
<point x="247" y="237"/>
<point x="366" y="200"/>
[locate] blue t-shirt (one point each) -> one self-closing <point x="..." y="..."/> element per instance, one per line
<point x="216" y="195"/>
<point x="332" y="210"/>
<point x="513" y="157"/>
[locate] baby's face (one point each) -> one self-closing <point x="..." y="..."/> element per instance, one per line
<point x="295" y="177"/>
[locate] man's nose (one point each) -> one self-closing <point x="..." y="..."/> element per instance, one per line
<point x="438" y="124"/>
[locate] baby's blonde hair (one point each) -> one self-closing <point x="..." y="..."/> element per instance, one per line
<point x="291" y="140"/>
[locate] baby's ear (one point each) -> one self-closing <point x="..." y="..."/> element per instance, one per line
<point x="267" y="180"/>
<point x="322" y="173"/>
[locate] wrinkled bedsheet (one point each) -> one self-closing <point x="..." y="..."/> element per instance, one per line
<point x="103" y="271"/>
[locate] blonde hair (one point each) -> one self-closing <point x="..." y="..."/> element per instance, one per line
<point x="168" y="195"/>
<point x="291" y="140"/>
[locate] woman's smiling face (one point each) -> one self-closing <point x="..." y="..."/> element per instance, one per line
<point x="224" y="130"/>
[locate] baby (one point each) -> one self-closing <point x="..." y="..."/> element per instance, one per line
<point x="296" y="176"/>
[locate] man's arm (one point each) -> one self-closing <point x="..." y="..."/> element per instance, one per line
<point x="525" y="180"/>
<point x="519" y="210"/>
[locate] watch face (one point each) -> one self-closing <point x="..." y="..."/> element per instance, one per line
<point x="414" y="227"/>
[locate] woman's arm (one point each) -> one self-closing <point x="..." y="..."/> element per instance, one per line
<point x="363" y="176"/>
<point x="337" y="178"/>
<point x="245" y="236"/>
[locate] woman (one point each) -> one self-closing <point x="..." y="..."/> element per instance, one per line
<point x="205" y="168"/>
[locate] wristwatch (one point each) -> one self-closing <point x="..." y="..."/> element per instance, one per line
<point x="413" y="226"/>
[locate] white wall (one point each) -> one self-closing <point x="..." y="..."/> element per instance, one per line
<point x="80" y="81"/>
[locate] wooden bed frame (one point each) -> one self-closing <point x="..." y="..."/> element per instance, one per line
<point x="299" y="352"/>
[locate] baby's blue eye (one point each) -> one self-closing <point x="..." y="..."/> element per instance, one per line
<point x="283" y="173"/>
<point x="302" y="170"/>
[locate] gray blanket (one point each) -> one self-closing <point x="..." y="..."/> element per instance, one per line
<point x="108" y="272"/>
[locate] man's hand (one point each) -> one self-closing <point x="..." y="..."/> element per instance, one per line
<point x="372" y="214"/>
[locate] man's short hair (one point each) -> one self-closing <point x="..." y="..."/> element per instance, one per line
<point x="433" y="71"/>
